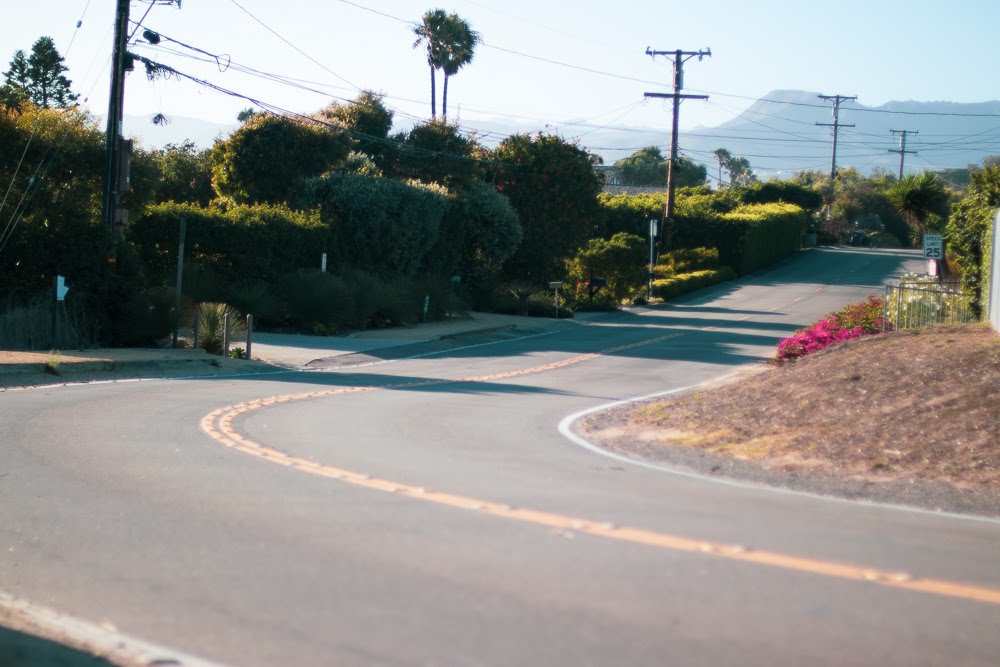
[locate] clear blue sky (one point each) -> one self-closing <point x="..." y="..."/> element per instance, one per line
<point x="879" y="50"/>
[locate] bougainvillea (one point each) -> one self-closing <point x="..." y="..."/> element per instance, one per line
<point x="853" y="321"/>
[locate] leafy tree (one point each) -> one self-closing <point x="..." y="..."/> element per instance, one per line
<point x="39" y="77"/>
<point x="450" y="43"/>
<point x="738" y="168"/>
<point x="553" y="187"/>
<point x="185" y="174"/>
<point x="269" y="158"/>
<point x="367" y="121"/>
<point x="918" y="197"/>
<point x="436" y="152"/>
<point x="647" y="166"/>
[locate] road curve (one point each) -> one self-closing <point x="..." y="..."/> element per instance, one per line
<point x="428" y="511"/>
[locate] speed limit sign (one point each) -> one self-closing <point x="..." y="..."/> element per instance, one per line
<point x="933" y="246"/>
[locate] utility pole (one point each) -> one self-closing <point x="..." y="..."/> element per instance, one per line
<point x="112" y="213"/>
<point x="902" y="147"/>
<point x="836" y="125"/>
<point x="679" y="58"/>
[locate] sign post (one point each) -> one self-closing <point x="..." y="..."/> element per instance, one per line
<point x="933" y="252"/>
<point x="554" y="286"/>
<point x="652" y="260"/>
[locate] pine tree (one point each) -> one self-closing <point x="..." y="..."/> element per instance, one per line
<point x="39" y="77"/>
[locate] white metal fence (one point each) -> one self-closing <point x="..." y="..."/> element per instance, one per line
<point x="920" y="302"/>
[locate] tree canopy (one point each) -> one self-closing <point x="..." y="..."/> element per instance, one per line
<point x="38" y="78"/>
<point x="269" y="158"/>
<point x="647" y="166"/>
<point x="553" y="187"/>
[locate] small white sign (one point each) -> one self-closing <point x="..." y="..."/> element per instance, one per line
<point x="933" y="246"/>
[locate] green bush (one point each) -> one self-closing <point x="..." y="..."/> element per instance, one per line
<point x="688" y="282"/>
<point x="150" y="316"/>
<point x="317" y="302"/>
<point x="621" y="260"/>
<point x="255" y="297"/>
<point x="686" y="260"/>
<point x="382" y="226"/>
<point x="969" y="234"/>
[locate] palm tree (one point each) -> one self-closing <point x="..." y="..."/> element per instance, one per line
<point x="459" y="47"/>
<point x="451" y="44"/>
<point x="431" y="32"/>
<point x="918" y="197"/>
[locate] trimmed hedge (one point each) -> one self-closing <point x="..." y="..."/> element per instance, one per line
<point x="686" y="260"/>
<point x="689" y="282"/>
<point x="749" y="237"/>
<point x="261" y="241"/>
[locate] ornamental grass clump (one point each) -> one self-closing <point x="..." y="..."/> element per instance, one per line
<point x="853" y="321"/>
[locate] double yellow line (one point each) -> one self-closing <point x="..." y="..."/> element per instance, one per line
<point x="219" y="426"/>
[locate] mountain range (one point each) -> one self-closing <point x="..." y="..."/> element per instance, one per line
<point x="778" y="133"/>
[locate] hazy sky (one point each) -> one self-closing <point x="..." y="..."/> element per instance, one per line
<point x="879" y="50"/>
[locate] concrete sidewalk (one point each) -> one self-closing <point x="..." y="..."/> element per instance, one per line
<point x="19" y="368"/>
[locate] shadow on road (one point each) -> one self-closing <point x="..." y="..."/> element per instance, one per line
<point x="21" y="650"/>
<point x="693" y="328"/>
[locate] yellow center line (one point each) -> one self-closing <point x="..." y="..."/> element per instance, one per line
<point x="218" y="425"/>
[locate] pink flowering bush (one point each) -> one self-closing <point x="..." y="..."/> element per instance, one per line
<point x="853" y="321"/>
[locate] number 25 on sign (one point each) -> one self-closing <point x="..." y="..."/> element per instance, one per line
<point x="933" y="246"/>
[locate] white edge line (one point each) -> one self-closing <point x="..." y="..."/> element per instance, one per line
<point x="566" y="429"/>
<point x="87" y="637"/>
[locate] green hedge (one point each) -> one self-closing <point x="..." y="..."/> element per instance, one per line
<point x="771" y="232"/>
<point x="686" y="260"/>
<point x="749" y="237"/>
<point x="688" y="282"/>
<point x="261" y="241"/>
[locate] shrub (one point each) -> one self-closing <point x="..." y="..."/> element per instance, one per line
<point x="255" y="297"/>
<point x="150" y="316"/>
<point x="686" y="260"/>
<point x="211" y="325"/>
<point x="384" y="226"/>
<point x="621" y="260"/>
<point x="853" y="321"/>
<point x="317" y="301"/>
<point x="688" y="282"/>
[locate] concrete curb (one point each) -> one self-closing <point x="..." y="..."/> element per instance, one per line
<point x="104" y="365"/>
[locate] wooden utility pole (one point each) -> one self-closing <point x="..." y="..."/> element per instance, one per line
<point x="679" y="58"/>
<point x="112" y="175"/>
<point x="902" y="147"/>
<point x="836" y="125"/>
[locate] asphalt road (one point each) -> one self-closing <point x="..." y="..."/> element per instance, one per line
<point x="429" y="512"/>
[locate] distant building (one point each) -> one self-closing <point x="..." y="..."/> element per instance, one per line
<point x="614" y="182"/>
